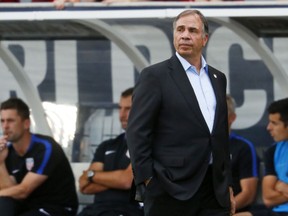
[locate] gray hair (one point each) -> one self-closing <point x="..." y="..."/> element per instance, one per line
<point x="205" y="27"/>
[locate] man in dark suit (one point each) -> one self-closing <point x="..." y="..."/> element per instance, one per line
<point x="178" y="131"/>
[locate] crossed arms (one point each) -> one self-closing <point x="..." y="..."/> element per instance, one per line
<point x="104" y="180"/>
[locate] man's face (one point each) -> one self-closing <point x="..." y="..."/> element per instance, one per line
<point x="13" y="126"/>
<point x="189" y="38"/>
<point x="277" y="128"/>
<point x="124" y="109"/>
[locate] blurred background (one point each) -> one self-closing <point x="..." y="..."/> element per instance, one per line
<point x="71" y="60"/>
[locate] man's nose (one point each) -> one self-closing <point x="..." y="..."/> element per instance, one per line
<point x="121" y="114"/>
<point x="268" y="127"/>
<point x="185" y="34"/>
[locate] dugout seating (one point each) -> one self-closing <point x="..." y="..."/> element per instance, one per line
<point x="77" y="170"/>
<point x="84" y="200"/>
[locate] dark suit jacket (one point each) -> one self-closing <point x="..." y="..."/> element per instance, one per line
<point x="168" y="137"/>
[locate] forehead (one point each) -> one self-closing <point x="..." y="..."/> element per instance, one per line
<point x="274" y="117"/>
<point x="189" y="20"/>
<point x="125" y="101"/>
<point x="8" y="113"/>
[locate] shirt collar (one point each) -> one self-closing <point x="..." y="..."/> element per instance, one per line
<point x="186" y="65"/>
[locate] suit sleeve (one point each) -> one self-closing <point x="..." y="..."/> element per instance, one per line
<point x="142" y="120"/>
<point x="225" y="132"/>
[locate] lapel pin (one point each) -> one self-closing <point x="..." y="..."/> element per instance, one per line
<point x="215" y="75"/>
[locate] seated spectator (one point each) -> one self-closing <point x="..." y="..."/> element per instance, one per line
<point x="245" y="164"/>
<point x="35" y="175"/>
<point x="275" y="181"/>
<point x="60" y="4"/>
<point x="17" y="1"/>
<point x="109" y="176"/>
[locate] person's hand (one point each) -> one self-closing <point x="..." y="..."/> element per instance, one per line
<point x="83" y="181"/>
<point x="117" y="1"/>
<point x="147" y="181"/>
<point x="232" y="202"/>
<point x="282" y="187"/>
<point x="3" y="148"/>
<point x="279" y="186"/>
<point x="60" y="4"/>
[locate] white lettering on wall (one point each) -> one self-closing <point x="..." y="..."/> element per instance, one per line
<point x="149" y="37"/>
<point x="255" y="101"/>
<point x="35" y="64"/>
<point x="280" y="47"/>
<point x="66" y="72"/>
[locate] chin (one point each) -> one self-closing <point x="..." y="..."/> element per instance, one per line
<point x="185" y="54"/>
<point x="277" y="140"/>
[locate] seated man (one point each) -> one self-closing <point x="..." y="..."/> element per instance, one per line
<point x="275" y="181"/>
<point x="35" y="175"/>
<point x="245" y="164"/>
<point x="109" y="176"/>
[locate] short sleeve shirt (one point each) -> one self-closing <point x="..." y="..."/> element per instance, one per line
<point x="269" y="161"/>
<point x="245" y="162"/>
<point x="45" y="157"/>
<point x="114" y="155"/>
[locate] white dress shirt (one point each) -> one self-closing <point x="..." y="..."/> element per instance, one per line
<point x="203" y="89"/>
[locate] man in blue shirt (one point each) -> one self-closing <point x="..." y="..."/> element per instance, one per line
<point x="275" y="181"/>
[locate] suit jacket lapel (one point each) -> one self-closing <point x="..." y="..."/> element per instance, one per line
<point x="215" y="84"/>
<point x="179" y="75"/>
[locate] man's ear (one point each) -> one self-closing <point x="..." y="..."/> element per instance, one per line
<point x="27" y="123"/>
<point x="205" y="40"/>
